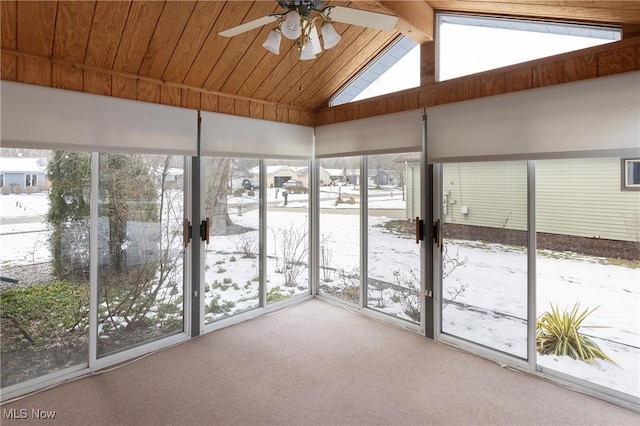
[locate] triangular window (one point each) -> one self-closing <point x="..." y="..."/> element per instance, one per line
<point x="470" y="44"/>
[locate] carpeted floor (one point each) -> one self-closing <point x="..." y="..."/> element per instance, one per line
<point x="314" y="364"/>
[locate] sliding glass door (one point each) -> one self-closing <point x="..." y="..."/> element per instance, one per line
<point x="484" y="254"/>
<point x="140" y="249"/>
<point x="393" y="185"/>
<point x="230" y="201"/>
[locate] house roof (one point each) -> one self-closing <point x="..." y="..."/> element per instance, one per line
<point x="23" y="165"/>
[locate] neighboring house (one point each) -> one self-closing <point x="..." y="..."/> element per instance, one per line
<point x="334" y="175"/>
<point x="591" y="189"/>
<point x="324" y="176"/>
<point x="278" y="175"/>
<point x="378" y="177"/>
<point x="19" y="173"/>
<point x="412" y="175"/>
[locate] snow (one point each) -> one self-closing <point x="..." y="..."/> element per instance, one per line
<point x="490" y="311"/>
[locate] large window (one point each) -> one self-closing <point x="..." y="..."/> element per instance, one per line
<point x="588" y="270"/>
<point x="471" y="44"/>
<point x="44" y="269"/>
<point x="287" y="239"/>
<point x="395" y="69"/>
<point x="339" y="236"/>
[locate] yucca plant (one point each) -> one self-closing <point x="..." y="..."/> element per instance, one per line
<point x="558" y="333"/>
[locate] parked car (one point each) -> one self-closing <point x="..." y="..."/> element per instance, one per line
<point x="292" y="182"/>
<point x="295" y="186"/>
<point x="248" y="185"/>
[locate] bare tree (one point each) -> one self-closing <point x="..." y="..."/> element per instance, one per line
<point x="218" y="173"/>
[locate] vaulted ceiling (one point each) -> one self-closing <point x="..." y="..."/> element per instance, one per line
<point x="177" y="42"/>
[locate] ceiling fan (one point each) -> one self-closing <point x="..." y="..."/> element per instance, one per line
<point x="300" y="22"/>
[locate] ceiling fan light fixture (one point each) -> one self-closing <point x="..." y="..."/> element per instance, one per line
<point x="291" y="28"/>
<point x="315" y="40"/>
<point x="300" y="24"/>
<point x="272" y="43"/>
<point x="330" y="36"/>
<point x="307" y="52"/>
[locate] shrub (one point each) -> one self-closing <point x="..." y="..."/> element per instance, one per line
<point x="232" y="259"/>
<point x="6" y="190"/>
<point x="17" y="189"/>
<point x="247" y="245"/>
<point x="558" y="333"/>
<point x="42" y="315"/>
<point x="238" y="192"/>
<point x="251" y="193"/>
<point x="277" y="294"/>
<point x="227" y="280"/>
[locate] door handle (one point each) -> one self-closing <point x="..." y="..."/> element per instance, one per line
<point x="205" y="229"/>
<point x="419" y="230"/>
<point x="437" y="233"/>
<point x="186" y="232"/>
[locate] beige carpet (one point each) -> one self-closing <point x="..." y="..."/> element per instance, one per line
<point x="315" y="363"/>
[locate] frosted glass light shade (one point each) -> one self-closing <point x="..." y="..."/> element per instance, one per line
<point x="291" y="26"/>
<point x="272" y="43"/>
<point x="329" y="35"/>
<point x="307" y="52"/>
<point x="315" y="40"/>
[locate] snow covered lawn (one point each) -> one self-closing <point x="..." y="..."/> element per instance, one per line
<point x="490" y="311"/>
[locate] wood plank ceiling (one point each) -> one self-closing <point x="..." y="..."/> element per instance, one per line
<point x="177" y="42"/>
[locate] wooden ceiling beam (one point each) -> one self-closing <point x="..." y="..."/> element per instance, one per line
<point x="415" y="19"/>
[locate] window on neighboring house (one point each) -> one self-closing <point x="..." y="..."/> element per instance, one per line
<point x="31" y="180"/>
<point x="1" y="180"/>
<point x="471" y="44"/>
<point x="631" y="174"/>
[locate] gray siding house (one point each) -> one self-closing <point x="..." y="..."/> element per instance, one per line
<point x="17" y="174"/>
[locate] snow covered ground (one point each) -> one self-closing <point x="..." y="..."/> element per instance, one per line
<point x="490" y="311"/>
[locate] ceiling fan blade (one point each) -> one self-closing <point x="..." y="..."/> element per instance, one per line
<point x="247" y="26"/>
<point x="363" y="18"/>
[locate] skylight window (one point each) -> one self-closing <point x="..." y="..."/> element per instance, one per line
<point x="471" y="44"/>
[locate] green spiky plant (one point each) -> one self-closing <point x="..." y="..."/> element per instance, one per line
<point x="558" y="333"/>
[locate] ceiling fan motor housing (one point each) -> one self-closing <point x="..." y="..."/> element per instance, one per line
<point x="303" y="7"/>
